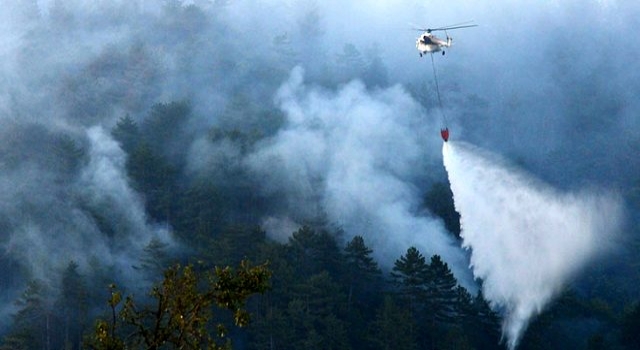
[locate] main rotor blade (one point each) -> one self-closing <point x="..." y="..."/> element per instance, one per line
<point x="419" y="29"/>
<point x="457" y="24"/>
<point x="451" y="27"/>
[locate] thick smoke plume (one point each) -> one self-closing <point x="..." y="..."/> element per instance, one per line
<point x="527" y="240"/>
<point x="353" y="157"/>
<point x="72" y="204"/>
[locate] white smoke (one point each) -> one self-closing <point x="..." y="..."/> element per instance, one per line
<point x="55" y="223"/>
<point x="105" y="185"/>
<point x="527" y="239"/>
<point x="358" y="157"/>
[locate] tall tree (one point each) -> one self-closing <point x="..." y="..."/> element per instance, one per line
<point x="486" y="329"/>
<point x="154" y="177"/>
<point x="73" y="306"/>
<point x="363" y="274"/>
<point x="127" y="134"/>
<point x="154" y="259"/>
<point x="32" y="324"/>
<point x="375" y="74"/>
<point x="317" y="313"/>
<point x="312" y="251"/>
<point x="441" y="291"/>
<point x="67" y="156"/>
<point x="201" y="212"/>
<point x="163" y="129"/>
<point x="393" y="328"/>
<point x="350" y="63"/>
<point x="364" y="282"/>
<point x="235" y="243"/>
<point x="410" y="273"/>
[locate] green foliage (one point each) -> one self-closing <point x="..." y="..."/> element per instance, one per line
<point x="359" y="260"/>
<point x="393" y="327"/>
<point x="154" y="177"/>
<point x="410" y="273"/>
<point x="442" y="293"/>
<point x="73" y="306"/>
<point x="31" y="328"/>
<point x="455" y="339"/>
<point x="201" y="212"/>
<point x="127" y="134"/>
<point x="164" y="124"/>
<point x="154" y="258"/>
<point x="311" y="251"/>
<point x="483" y="326"/>
<point x="363" y="275"/>
<point x="317" y="305"/>
<point x="234" y="243"/>
<point x="182" y="314"/>
<point x="67" y="153"/>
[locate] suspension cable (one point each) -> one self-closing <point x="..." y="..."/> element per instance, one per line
<point x="435" y="77"/>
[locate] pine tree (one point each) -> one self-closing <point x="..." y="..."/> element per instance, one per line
<point x="375" y="74"/>
<point x="350" y="63"/>
<point x="363" y="274"/>
<point x="464" y="308"/>
<point x="126" y="133"/>
<point x="393" y="328"/>
<point x="163" y="128"/>
<point x="271" y="330"/>
<point x="316" y="314"/>
<point x="67" y="155"/>
<point x="485" y="330"/>
<point x="235" y="243"/>
<point x="154" y="259"/>
<point x="201" y="212"/>
<point x="321" y="295"/>
<point x="312" y="251"/>
<point x="154" y="178"/>
<point x="410" y="273"/>
<point x="73" y="306"/>
<point x="442" y="293"/>
<point x="32" y="324"/>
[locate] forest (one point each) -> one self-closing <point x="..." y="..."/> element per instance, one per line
<point x="153" y="170"/>
<point x="321" y="294"/>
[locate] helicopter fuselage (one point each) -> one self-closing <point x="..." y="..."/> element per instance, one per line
<point x="429" y="43"/>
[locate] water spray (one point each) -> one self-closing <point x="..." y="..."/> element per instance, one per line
<point x="527" y="239"/>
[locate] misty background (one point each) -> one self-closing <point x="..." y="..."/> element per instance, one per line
<point x="298" y="111"/>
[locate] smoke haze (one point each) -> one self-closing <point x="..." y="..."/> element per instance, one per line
<point x="352" y="153"/>
<point x="341" y="114"/>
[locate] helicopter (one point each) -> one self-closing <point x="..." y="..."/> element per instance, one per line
<point x="429" y="43"/>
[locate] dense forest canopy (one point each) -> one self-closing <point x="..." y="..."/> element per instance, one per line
<point x="140" y="134"/>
